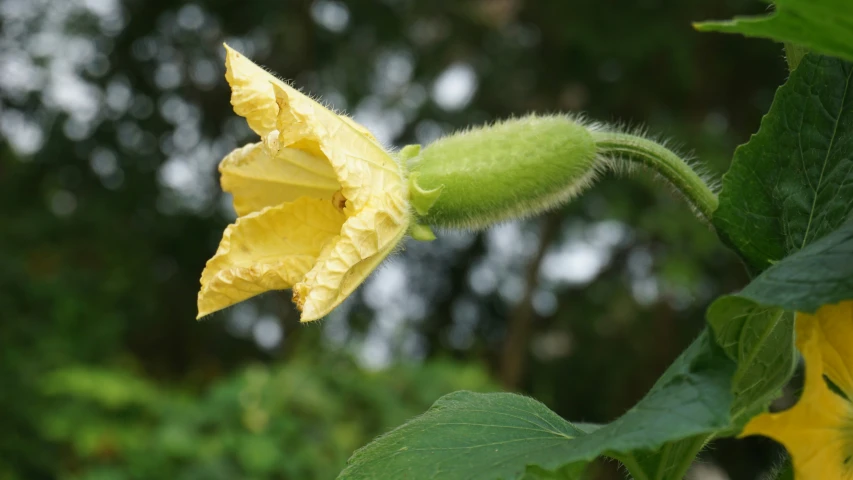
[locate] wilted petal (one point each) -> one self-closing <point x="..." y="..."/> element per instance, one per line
<point x="369" y="189"/>
<point x="366" y="239"/>
<point x="363" y="168"/>
<point x="267" y="250"/>
<point x="360" y="128"/>
<point x="251" y="92"/>
<point x="257" y="180"/>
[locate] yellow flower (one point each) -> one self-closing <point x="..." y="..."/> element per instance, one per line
<point x="320" y="202"/>
<point x="818" y="430"/>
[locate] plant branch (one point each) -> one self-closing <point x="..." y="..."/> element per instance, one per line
<point x="650" y="154"/>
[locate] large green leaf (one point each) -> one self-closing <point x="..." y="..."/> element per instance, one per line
<point x="825" y="26"/>
<point x="761" y="340"/>
<point x="500" y="435"/>
<point x="756" y="326"/>
<point x="469" y="435"/>
<point x="792" y="182"/>
<point x="819" y="274"/>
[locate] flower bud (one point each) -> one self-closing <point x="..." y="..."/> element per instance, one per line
<point x="513" y="169"/>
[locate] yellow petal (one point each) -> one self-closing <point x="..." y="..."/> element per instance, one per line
<point x="251" y="92"/>
<point x="363" y="168"/>
<point x="814" y="430"/>
<point x="834" y="331"/>
<point x="257" y="180"/>
<point x="365" y="240"/>
<point x="372" y="193"/>
<point x="360" y="128"/>
<point x="267" y="250"/>
<point x="817" y="452"/>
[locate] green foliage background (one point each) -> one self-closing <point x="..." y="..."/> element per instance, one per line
<point x="105" y="374"/>
<point x="301" y="420"/>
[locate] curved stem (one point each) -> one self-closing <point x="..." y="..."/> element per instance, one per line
<point x="663" y="161"/>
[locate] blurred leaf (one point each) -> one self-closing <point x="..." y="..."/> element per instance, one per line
<point x="316" y="411"/>
<point x="109" y="388"/>
<point x="792" y="182"/>
<point x="470" y="436"/>
<point x="258" y="454"/>
<point x="825" y="26"/>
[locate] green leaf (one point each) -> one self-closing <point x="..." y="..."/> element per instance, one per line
<point x="500" y="435"/>
<point x="761" y="340"/>
<point x="825" y="26"/>
<point x="792" y="182"/>
<point x="469" y="435"/>
<point x="820" y="274"/>
<point x="756" y="326"/>
<point x="569" y="472"/>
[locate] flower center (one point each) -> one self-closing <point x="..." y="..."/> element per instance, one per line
<point x="339" y="200"/>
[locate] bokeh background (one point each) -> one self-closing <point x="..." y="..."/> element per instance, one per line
<point x="114" y="115"/>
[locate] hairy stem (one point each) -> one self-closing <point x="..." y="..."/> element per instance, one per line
<point x="689" y="454"/>
<point x="663" y="161"/>
<point x="793" y="55"/>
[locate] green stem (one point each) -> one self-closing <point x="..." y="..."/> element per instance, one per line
<point x="684" y="450"/>
<point x="689" y="455"/>
<point x="793" y="55"/>
<point x="663" y="161"/>
<point x="633" y="467"/>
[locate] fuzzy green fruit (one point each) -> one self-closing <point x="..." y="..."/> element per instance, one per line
<point x="513" y="169"/>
